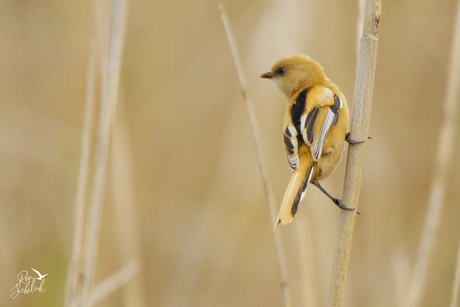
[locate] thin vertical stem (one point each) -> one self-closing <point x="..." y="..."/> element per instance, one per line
<point x="441" y="170"/>
<point x="108" y="106"/>
<point x="82" y="183"/>
<point x="456" y="286"/>
<point x="122" y="187"/>
<point x="263" y="169"/>
<point x="360" y="121"/>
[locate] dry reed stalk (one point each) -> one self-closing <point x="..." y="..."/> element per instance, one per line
<point x="286" y="289"/>
<point x="456" y="286"/>
<point x="362" y="103"/>
<point x="128" y="229"/>
<point x="108" y="106"/>
<point x="82" y="183"/>
<point x="441" y="170"/>
<point x="113" y="282"/>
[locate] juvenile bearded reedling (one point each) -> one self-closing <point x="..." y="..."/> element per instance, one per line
<point x="315" y="127"/>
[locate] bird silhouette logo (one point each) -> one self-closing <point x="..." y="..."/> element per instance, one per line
<point x="40" y="276"/>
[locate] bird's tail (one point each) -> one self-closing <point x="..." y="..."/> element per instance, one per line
<point x="294" y="193"/>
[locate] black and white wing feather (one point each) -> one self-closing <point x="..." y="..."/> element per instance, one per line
<point x="291" y="145"/>
<point x="315" y="123"/>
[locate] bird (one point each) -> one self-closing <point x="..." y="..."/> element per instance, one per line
<point x="315" y="128"/>
<point x="40" y="276"/>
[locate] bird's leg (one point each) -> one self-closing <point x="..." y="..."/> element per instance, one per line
<point x="336" y="201"/>
<point x="350" y="141"/>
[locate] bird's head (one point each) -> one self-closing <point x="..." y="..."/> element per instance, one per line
<point x="293" y="72"/>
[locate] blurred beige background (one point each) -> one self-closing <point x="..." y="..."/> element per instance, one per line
<point x="183" y="162"/>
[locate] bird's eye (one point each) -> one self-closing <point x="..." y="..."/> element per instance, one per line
<point x="281" y="71"/>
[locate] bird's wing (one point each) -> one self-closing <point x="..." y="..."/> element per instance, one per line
<point x="291" y="145"/>
<point x="37" y="272"/>
<point x="292" y="134"/>
<point x="321" y="113"/>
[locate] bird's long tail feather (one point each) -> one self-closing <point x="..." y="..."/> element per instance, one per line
<point x="294" y="193"/>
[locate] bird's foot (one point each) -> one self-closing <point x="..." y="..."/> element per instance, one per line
<point x="340" y="204"/>
<point x="350" y="141"/>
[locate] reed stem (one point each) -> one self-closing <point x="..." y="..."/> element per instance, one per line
<point x="285" y="286"/>
<point x="360" y="120"/>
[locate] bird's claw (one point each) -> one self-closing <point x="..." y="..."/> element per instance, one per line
<point x="340" y="204"/>
<point x="350" y="141"/>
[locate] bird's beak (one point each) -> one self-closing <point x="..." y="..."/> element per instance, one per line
<point x="267" y="75"/>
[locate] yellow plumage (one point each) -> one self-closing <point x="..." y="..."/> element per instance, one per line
<point x="315" y="126"/>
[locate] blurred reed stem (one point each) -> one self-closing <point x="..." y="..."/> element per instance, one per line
<point x="441" y="170"/>
<point x="456" y="286"/>
<point x="122" y="187"/>
<point x="114" y="282"/>
<point x="82" y="183"/>
<point x="285" y="286"/>
<point x="362" y="103"/>
<point x="103" y="140"/>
